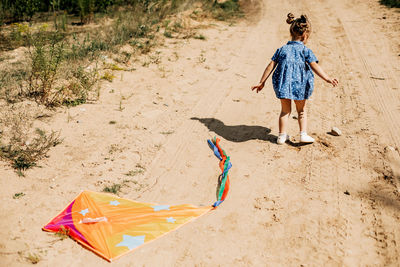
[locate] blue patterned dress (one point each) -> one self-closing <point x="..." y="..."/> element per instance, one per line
<point x="293" y="77"/>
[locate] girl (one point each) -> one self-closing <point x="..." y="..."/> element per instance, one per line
<point x="293" y="78"/>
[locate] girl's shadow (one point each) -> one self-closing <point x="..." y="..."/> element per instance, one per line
<point x="237" y="133"/>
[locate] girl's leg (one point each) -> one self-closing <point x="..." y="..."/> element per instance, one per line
<point x="286" y="108"/>
<point x="302" y="115"/>
<point x="302" y="118"/>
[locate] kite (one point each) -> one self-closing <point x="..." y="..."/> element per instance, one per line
<point x="111" y="226"/>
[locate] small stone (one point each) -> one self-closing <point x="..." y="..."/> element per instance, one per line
<point x="346" y="193"/>
<point x="390" y="148"/>
<point x="336" y="131"/>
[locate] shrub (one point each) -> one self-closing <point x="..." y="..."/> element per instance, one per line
<point x="390" y="3"/>
<point x="226" y="10"/>
<point x="51" y="77"/>
<point x="18" y="10"/>
<point x="20" y="144"/>
<point x="12" y="81"/>
<point x="45" y="64"/>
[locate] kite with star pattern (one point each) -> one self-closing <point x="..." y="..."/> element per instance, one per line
<point x="111" y="226"/>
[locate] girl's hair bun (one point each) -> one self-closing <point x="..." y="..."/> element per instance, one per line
<point x="298" y="26"/>
<point x="303" y="18"/>
<point x="290" y="18"/>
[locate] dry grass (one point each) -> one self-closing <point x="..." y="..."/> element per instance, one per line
<point x="21" y="144"/>
<point x="33" y="258"/>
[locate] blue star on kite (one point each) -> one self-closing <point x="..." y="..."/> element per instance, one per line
<point x="171" y="220"/>
<point x="114" y="203"/>
<point x="161" y="207"/>
<point x="131" y="241"/>
<point x="83" y="212"/>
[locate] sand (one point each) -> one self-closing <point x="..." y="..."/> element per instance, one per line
<point x="334" y="203"/>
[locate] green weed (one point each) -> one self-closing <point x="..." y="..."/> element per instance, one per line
<point x="63" y="233"/>
<point x="113" y="67"/>
<point x="139" y="169"/>
<point x="167" y="34"/>
<point x="114" y="188"/>
<point x="18" y="195"/>
<point x="108" y="76"/>
<point x="33" y="258"/>
<point x="200" y="37"/>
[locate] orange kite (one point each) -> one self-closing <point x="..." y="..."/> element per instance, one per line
<point x="111" y="226"/>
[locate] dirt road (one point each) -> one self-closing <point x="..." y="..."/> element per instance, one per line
<point x="332" y="203"/>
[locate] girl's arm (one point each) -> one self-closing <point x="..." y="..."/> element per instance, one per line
<point x="321" y="73"/>
<point x="268" y="70"/>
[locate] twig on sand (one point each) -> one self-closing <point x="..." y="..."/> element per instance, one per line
<point x="377" y="78"/>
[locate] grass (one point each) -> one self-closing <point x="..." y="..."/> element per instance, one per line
<point x="168" y="34"/>
<point x="201" y="58"/>
<point x="139" y="169"/>
<point x="114" y="189"/>
<point x="117" y="187"/>
<point x="63" y="233"/>
<point x="199" y="37"/>
<point x="113" y="67"/>
<point x="134" y="172"/>
<point x="158" y="146"/>
<point x="114" y="148"/>
<point x="108" y="76"/>
<point x="33" y="258"/>
<point x="18" y="195"/>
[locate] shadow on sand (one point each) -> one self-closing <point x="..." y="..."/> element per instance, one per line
<point x="237" y="133"/>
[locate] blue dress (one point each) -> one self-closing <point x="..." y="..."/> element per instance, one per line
<point x="293" y="77"/>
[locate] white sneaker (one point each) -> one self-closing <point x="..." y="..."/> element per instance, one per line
<point x="282" y="138"/>
<point x="305" y="138"/>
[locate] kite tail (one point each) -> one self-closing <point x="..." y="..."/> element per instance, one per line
<point x="224" y="165"/>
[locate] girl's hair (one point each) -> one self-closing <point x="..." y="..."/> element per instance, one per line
<point x="298" y="26"/>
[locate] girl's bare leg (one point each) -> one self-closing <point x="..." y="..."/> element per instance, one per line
<point x="300" y="107"/>
<point x="302" y="115"/>
<point x="286" y="108"/>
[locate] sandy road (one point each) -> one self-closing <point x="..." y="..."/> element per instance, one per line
<point x="287" y="205"/>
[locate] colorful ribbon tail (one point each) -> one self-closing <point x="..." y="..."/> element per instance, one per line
<point x="214" y="149"/>
<point x="217" y="203"/>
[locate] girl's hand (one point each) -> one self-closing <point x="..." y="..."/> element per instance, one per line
<point x="334" y="82"/>
<point x="259" y="87"/>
